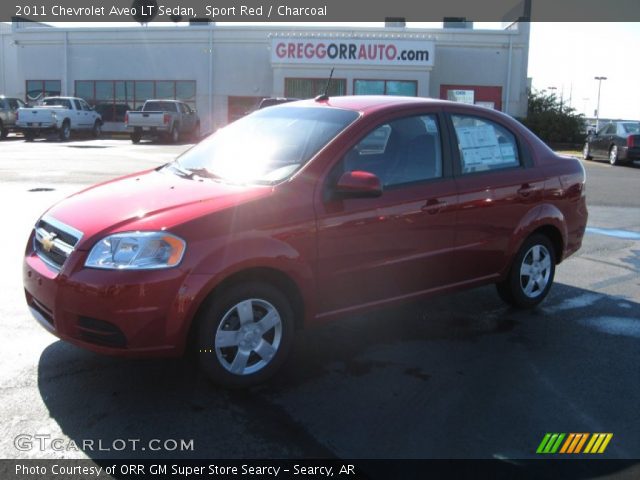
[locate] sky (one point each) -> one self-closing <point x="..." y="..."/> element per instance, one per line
<point x="568" y="56"/>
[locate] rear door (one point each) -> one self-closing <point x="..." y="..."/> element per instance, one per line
<point x="497" y="186"/>
<point x="372" y="250"/>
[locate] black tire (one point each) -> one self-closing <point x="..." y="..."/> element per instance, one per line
<point x="586" y="152"/>
<point x="195" y="134"/>
<point x="29" y="136"/>
<point x="614" y="156"/>
<point x="217" y="363"/>
<point x="96" y="131"/>
<point x="65" y="131"/>
<point x="520" y="289"/>
<point x="3" y="131"/>
<point x="174" y="134"/>
<point x="136" y="135"/>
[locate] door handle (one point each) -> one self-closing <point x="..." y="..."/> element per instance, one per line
<point x="433" y="206"/>
<point x="526" y="190"/>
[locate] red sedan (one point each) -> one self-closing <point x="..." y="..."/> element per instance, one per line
<point x="298" y="214"/>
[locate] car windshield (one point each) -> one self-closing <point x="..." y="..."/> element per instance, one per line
<point x="631" y="127"/>
<point x="265" y="147"/>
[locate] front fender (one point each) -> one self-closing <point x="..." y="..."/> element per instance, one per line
<point x="232" y="256"/>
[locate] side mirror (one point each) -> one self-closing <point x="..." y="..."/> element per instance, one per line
<point x="358" y="184"/>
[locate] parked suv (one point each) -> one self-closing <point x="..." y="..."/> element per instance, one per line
<point x="8" y="108"/>
<point x="301" y="213"/>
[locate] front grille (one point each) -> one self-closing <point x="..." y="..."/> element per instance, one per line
<point x="100" y="332"/>
<point x="54" y="241"/>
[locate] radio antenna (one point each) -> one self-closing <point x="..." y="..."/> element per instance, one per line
<point x="325" y="95"/>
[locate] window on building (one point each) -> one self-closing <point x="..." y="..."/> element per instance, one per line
<point x="408" y="88"/>
<point x="486" y="96"/>
<point x="38" y="89"/>
<point x="484" y="145"/>
<point x="312" y="87"/>
<point x="112" y="98"/>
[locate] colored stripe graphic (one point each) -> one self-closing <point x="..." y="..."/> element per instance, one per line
<point x="598" y="443"/>
<point x="551" y="443"/>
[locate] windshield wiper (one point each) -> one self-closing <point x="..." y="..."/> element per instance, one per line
<point x="190" y="173"/>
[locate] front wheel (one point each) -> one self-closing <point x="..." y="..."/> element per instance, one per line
<point x="586" y="152"/>
<point x="245" y="334"/>
<point x="97" y="129"/>
<point x="531" y="274"/>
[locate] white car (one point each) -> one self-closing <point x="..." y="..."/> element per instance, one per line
<point x="61" y="115"/>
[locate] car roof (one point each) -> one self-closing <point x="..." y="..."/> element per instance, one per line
<point x="370" y="103"/>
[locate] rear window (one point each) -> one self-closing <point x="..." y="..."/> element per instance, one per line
<point x="632" y="128"/>
<point x="159" y="107"/>
<point x="57" y="102"/>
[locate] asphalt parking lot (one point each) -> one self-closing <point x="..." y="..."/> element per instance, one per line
<point x="461" y="376"/>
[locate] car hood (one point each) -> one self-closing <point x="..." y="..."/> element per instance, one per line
<point x="152" y="200"/>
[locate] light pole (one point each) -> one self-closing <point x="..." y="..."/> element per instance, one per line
<point x="598" y="105"/>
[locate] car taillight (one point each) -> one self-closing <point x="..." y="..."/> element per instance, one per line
<point x="166" y="118"/>
<point x="631" y="141"/>
<point x="126" y="118"/>
<point x="17" y="115"/>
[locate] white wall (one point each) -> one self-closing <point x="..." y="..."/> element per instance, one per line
<point x="241" y="60"/>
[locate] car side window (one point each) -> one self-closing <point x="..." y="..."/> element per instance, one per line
<point x="603" y="130"/>
<point x="611" y="129"/>
<point x="399" y="152"/>
<point x="84" y="105"/>
<point x="484" y="145"/>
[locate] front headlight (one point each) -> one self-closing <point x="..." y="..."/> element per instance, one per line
<point x="137" y="251"/>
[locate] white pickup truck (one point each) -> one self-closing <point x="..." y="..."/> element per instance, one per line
<point x="61" y="115"/>
<point x="170" y="119"/>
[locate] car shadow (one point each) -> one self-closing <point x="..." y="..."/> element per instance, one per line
<point x="460" y="376"/>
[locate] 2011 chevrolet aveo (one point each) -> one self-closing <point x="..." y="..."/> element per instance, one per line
<point x="297" y="214"/>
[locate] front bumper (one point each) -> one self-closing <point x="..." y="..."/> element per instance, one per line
<point x="124" y="313"/>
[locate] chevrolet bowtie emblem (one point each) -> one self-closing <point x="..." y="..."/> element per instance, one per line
<point x="47" y="241"/>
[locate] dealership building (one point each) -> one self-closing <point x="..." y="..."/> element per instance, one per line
<point x="225" y="70"/>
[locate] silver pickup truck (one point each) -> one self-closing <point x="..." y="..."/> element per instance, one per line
<point x="8" y="108"/>
<point x="61" y="115"/>
<point x="169" y="119"/>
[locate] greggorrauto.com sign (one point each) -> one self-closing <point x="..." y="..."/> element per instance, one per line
<point x="352" y="51"/>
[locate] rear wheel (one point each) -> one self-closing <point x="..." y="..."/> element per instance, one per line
<point x="245" y="334"/>
<point x="613" y="155"/>
<point x="3" y="131"/>
<point x="174" y="134"/>
<point x="65" y="131"/>
<point x="29" y="135"/>
<point x="136" y="135"/>
<point x="531" y="274"/>
<point x="586" y="152"/>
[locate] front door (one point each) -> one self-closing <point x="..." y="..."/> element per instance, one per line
<point x="372" y="250"/>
